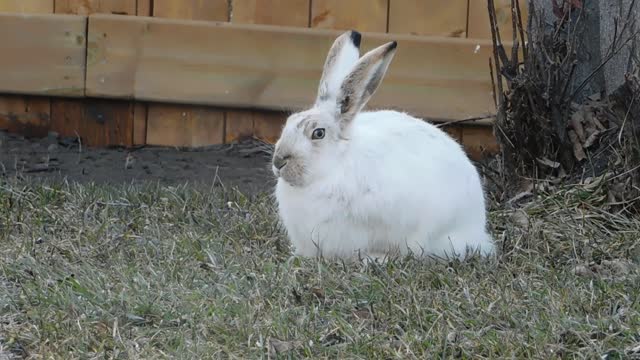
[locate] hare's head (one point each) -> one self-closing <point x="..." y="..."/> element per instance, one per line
<point x="312" y="140"/>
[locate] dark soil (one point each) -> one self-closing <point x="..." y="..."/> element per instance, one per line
<point x="244" y="165"/>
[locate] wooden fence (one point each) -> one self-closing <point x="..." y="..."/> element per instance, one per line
<point x="202" y="72"/>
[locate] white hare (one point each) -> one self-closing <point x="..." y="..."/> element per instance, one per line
<point x="352" y="183"/>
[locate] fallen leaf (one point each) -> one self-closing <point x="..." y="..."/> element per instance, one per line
<point x="278" y="346"/>
<point x="592" y="119"/>
<point x="595" y="97"/>
<point x="549" y="163"/>
<point x="582" y="270"/>
<point x="129" y="161"/>
<point x="520" y="196"/>
<point x="616" y="192"/>
<point x="318" y="292"/>
<point x="591" y="139"/>
<point x="578" y="151"/>
<point x="576" y="123"/>
<point x="362" y="314"/>
<point x="598" y="123"/>
<point x="521" y="218"/>
<point x="452" y="337"/>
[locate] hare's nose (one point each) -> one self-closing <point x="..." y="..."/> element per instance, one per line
<point x="280" y="161"/>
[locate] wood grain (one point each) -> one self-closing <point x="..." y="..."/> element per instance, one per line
<point x="96" y="122"/>
<point x="455" y="132"/>
<point x="27" y="6"/>
<point x="25" y="115"/>
<point x="275" y="68"/>
<point x="429" y="17"/>
<point x="176" y="125"/>
<point x="361" y="15"/>
<point x="267" y="125"/>
<point x="241" y="124"/>
<point x="479" y="25"/>
<point x="273" y="12"/>
<point x="192" y="126"/>
<point x="87" y="7"/>
<point x="212" y="10"/>
<point x="479" y="141"/>
<point x="144" y="8"/>
<point x="140" y="111"/>
<point x="46" y="59"/>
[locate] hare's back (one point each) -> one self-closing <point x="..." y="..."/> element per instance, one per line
<point x="403" y="154"/>
<point x="399" y="133"/>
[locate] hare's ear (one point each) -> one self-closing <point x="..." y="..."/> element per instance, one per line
<point x="344" y="53"/>
<point x="362" y="82"/>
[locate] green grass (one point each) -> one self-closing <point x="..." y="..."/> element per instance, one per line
<point x="174" y="272"/>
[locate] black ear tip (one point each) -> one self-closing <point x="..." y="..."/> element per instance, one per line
<point x="390" y="47"/>
<point x="355" y="38"/>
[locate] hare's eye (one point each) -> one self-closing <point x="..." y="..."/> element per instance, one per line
<point x="317" y="134"/>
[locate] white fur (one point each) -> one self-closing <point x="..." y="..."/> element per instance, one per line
<point x="344" y="59"/>
<point x="388" y="183"/>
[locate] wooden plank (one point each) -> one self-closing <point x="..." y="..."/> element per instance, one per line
<point x="141" y="109"/>
<point x="454" y="131"/>
<point x="185" y="125"/>
<point x="25" y="115"/>
<point x="48" y="58"/>
<point x="361" y="15"/>
<point x="479" y="141"/>
<point x="86" y="7"/>
<point x="479" y="25"/>
<point x="267" y="125"/>
<point x="140" y="124"/>
<point x="175" y="125"/>
<point x="239" y="125"/>
<point x="67" y="116"/>
<point x="273" y="12"/>
<point x="27" y="6"/>
<point x="97" y="122"/>
<point x="212" y="10"/>
<point x="258" y="66"/>
<point x="144" y="8"/>
<point x="429" y="17"/>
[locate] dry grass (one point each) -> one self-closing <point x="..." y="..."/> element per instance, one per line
<point x="166" y="272"/>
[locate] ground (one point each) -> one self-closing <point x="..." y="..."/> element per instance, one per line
<point x="245" y="165"/>
<point x="160" y="269"/>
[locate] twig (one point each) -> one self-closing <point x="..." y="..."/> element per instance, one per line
<point x="79" y="141"/>
<point x="521" y="30"/>
<point x="465" y="120"/>
<point x="493" y="84"/>
<point x="516" y="45"/>
<point x="602" y="64"/>
<point x="495" y="38"/>
<point x="626" y="116"/>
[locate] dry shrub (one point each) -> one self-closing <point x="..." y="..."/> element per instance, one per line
<point x="548" y="130"/>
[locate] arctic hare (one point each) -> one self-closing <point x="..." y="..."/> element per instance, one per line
<point x="355" y="183"/>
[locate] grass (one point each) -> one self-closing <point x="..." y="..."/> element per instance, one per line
<point x="174" y="272"/>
